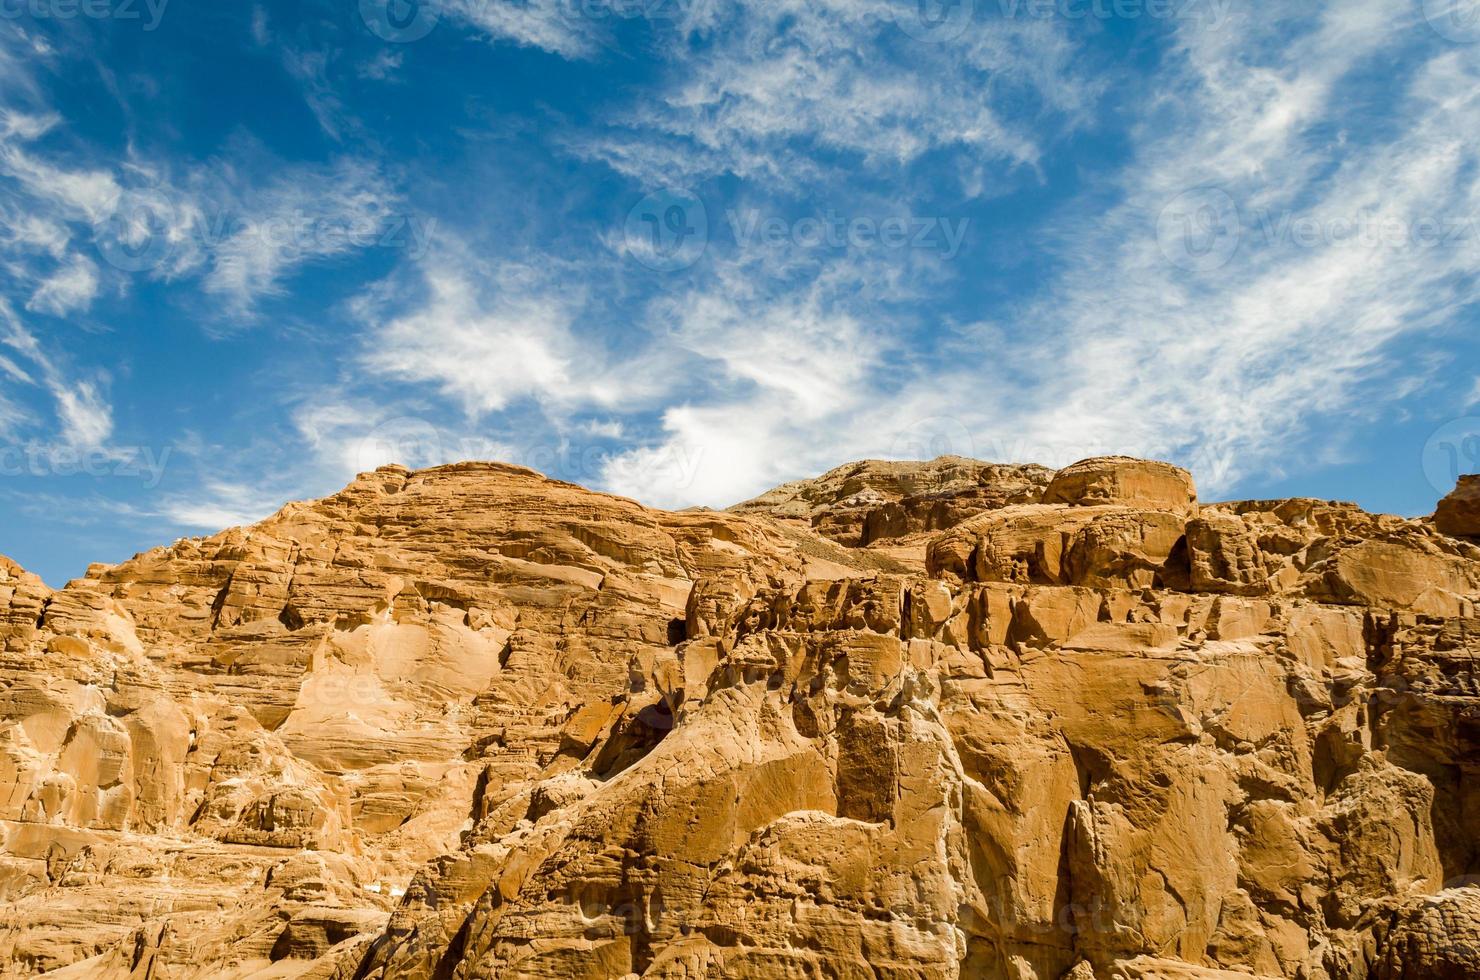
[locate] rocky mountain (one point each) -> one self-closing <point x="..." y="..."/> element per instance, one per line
<point x="930" y="720"/>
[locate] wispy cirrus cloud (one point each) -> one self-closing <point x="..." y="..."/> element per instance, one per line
<point x="482" y="357"/>
<point x="772" y="90"/>
<point x="255" y="235"/>
<point x="556" y="26"/>
<point x="238" y="224"/>
<point x="216" y="504"/>
<point x="68" y="288"/>
<point x="1221" y="354"/>
<point x="80" y="405"/>
<point x="798" y="360"/>
<point x="1311" y="250"/>
<point x="1150" y="248"/>
<point x="487" y="334"/>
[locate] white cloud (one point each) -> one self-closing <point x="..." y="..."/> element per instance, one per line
<point x="488" y="335"/>
<point x="15" y="371"/>
<point x="32" y="233"/>
<point x="68" y="289"/>
<point x="86" y="195"/>
<point x="25" y="126"/>
<point x="12" y="418"/>
<point x="711" y="456"/>
<point x="385" y="64"/>
<point x="483" y="359"/>
<point x="255" y="235"/>
<point x="87" y="418"/>
<point x="351" y="434"/>
<point x="1225" y="369"/>
<point x="311" y="69"/>
<point x="810" y="357"/>
<point x="776" y="85"/>
<point x="602" y="428"/>
<point x="218" y="504"/>
<point x="790" y="374"/>
<point x="261" y="32"/>
<point x="82" y="409"/>
<point x="244" y="222"/>
<point x="556" y="26"/>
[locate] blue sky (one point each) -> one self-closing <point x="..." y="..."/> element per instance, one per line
<point x="685" y="250"/>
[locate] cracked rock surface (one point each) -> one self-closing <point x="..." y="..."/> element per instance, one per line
<point x="904" y="720"/>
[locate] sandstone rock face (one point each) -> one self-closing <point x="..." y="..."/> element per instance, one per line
<point x="911" y="720"/>
<point x="1122" y="480"/>
<point x="874" y="501"/>
<point x="1459" y="513"/>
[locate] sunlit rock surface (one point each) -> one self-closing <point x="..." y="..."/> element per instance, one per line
<point x="927" y="720"/>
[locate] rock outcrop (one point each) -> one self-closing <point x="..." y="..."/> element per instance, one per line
<point x="872" y="501"/>
<point x="947" y="719"/>
<point x="1459" y="513"/>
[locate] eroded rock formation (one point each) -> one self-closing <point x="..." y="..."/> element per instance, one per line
<point x="947" y="719"/>
<point x="1459" y="513"/>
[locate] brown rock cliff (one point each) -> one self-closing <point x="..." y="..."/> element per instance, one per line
<point x="946" y="719"/>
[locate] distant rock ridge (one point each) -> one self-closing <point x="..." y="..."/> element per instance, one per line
<point x="937" y="719"/>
